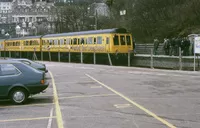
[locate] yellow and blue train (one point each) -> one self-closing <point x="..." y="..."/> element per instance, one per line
<point x="116" y="40"/>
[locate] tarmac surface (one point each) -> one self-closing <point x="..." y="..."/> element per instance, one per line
<point x="88" y="96"/>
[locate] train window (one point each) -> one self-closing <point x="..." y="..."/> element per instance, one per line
<point x="82" y="41"/>
<point x="95" y="40"/>
<point x="27" y="43"/>
<point x="128" y="40"/>
<point x="50" y="42"/>
<point x="71" y="41"/>
<point x="43" y="42"/>
<point x="122" y="40"/>
<point x="31" y="42"/>
<point x="65" y="41"/>
<point x="99" y="40"/>
<point x="68" y="41"/>
<point x="116" y="40"/>
<point x="107" y="40"/>
<point x="47" y="42"/>
<point x="89" y="40"/>
<point x="61" y="41"/>
<point x="78" y="41"/>
<point x="55" y="42"/>
<point x="75" y="41"/>
<point x="36" y="42"/>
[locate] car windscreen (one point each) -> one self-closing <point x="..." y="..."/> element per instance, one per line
<point x="25" y="67"/>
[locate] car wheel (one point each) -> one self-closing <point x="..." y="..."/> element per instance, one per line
<point x="18" y="96"/>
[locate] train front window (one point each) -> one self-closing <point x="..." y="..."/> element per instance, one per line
<point x="122" y="40"/>
<point x="116" y="40"/>
<point x="128" y="40"/>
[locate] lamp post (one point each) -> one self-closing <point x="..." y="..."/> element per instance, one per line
<point x="24" y="27"/>
<point x="95" y="18"/>
<point x="34" y="29"/>
<point x="49" y="28"/>
<point x="18" y="29"/>
<point x="7" y="35"/>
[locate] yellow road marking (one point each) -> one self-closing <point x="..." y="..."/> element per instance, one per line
<point x="26" y="119"/>
<point x="87" y="96"/>
<point x="57" y="106"/>
<point x="134" y="103"/>
<point x="19" y="106"/>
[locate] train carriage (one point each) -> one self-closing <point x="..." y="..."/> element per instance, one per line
<point x="1" y="47"/>
<point x="56" y="46"/>
<point x="31" y="44"/>
<point x="100" y="41"/>
<point x="13" y="44"/>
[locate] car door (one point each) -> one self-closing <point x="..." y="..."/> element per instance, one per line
<point x="9" y="75"/>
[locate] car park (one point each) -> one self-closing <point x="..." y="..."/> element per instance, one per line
<point x="18" y="81"/>
<point x="33" y="64"/>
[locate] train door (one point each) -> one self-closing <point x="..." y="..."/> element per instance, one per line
<point x="116" y="44"/>
<point x="123" y="43"/>
<point x="129" y="43"/>
<point x="107" y="44"/>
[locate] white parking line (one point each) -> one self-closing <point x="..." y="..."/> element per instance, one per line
<point x="50" y="119"/>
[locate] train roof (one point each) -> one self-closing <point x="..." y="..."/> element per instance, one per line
<point x="114" y="30"/>
<point x="25" y="37"/>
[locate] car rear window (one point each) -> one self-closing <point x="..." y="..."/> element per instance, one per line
<point x="8" y="69"/>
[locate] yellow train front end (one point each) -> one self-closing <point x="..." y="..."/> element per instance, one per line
<point x="121" y="43"/>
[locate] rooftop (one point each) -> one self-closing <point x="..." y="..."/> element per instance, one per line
<point x="6" y="0"/>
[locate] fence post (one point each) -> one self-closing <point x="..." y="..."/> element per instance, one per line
<point x="41" y="55"/>
<point x="69" y="58"/>
<point x="9" y="54"/>
<point x="49" y="55"/>
<point x="151" y="58"/>
<point x="129" y="57"/>
<point x="180" y="59"/>
<point x="58" y="56"/>
<point x="81" y="53"/>
<point x="94" y="57"/>
<point x="194" y="61"/>
<point x="109" y="58"/>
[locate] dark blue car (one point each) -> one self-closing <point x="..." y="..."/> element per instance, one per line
<point x="18" y="81"/>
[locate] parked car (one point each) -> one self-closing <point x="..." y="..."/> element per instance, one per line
<point x="18" y="81"/>
<point x="33" y="64"/>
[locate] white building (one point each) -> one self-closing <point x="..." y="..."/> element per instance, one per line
<point x="29" y="14"/>
<point x="100" y="8"/>
<point x="5" y="10"/>
<point x="5" y="6"/>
